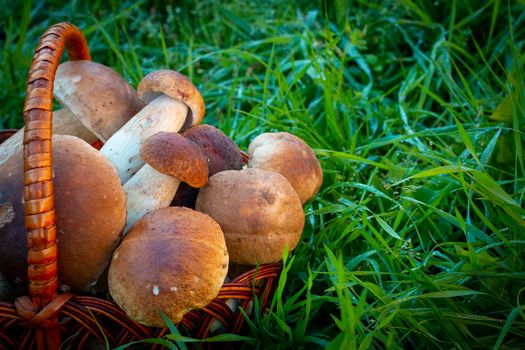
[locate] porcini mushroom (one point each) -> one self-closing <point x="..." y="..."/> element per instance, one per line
<point x="171" y="99"/>
<point x="173" y="260"/>
<point x="170" y="159"/>
<point x="98" y="96"/>
<point x="221" y="152"/>
<point x="97" y="101"/>
<point x="289" y="156"/>
<point x="258" y="211"/>
<point x="90" y="213"/>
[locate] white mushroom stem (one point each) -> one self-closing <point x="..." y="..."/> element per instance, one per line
<point x="123" y="148"/>
<point x="148" y="189"/>
<point x="64" y="123"/>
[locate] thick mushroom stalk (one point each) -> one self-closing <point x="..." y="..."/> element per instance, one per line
<point x="123" y="149"/>
<point x="170" y="159"/>
<point x="148" y="190"/>
<point x="172" y="98"/>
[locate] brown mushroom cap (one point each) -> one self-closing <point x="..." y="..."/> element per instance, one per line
<point x="172" y="260"/>
<point x="101" y="99"/>
<point x="90" y="213"/>
<point x="221" y="151"/>
<point x="259" y="213"/>
<point x="171" y="154"/>
<point x="90" y="210"/>
<point x="176" y="86"/>
<point x="291" y="157"/>
<point x="222" y="154"/>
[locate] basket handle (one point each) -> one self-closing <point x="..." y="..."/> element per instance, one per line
<point x="38" y="185"/>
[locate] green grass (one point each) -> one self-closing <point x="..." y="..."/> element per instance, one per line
<point x="416" y="110"/>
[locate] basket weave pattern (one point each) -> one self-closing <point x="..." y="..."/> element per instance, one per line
<point x="45" y="319"/>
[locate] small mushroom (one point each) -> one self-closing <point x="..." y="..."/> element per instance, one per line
<point x="291" y="157"/>
<point x="170" y="159"/>
<point x="98" y="96"/>
<point x="173" y="102"/>
<point x="259" y="213"/>
<point x="222" y="154"/>
<point x="90" y="213"/>
<point x="172" y="260"/>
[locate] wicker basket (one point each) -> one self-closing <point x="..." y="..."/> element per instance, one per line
<point x="46" y="319"/>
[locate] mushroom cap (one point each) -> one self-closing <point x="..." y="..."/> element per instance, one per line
<point x="174" y="259"/>
<point x="171" y="154"/>
<point x="90" y="209"/>
<point x="90" y="214"/>
<point x="222" y="154"/>
<point x="259" y="213"/>
<point x="291" y="157"/>
<point x="100" y="98"/>
<point x="176" y="86"/>
<point x="221" y="151"/>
